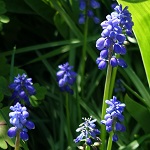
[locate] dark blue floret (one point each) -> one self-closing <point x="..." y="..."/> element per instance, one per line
<point x="102" y="63"/>
<point x="22" y="88"/>
<point x="66" y="77"/>
<point x="115" y="138"/>
<point x="113" y="118"/>
<point x="89" y="132"/>
<point x="18" y="118"/>
<point x="115" y="29"/>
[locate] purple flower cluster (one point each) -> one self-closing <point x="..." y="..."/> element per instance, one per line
<point x="114" y="117"/>
<point x="18" y="118"/>
<point x="88" y="131"/>
<point x="66" y="77"/>
<point x="111" y="43"/>
<point x="22" y="88"/>
<point x="86" y="7"/>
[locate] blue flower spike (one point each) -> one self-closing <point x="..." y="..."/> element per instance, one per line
<point x="88" y="132"/>
<point x="115" y="30"/>
<point x="114" y="118"/>
<point x="22" y="88"/>
<point x="87" y="6"/>
<point x="66" y="77"/>
<point x="18" y="118"/>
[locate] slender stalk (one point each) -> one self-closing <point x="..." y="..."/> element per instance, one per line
<point x="84" y="54"/>
<point x="113" y="77"/>
<point x="109" y="145"/>
<point x="17" y="142"/>
<point x="61" y="125"/>
<point x="68" y="120"/>
<point x="78" y="105"/>
<point x="104" y="105"/>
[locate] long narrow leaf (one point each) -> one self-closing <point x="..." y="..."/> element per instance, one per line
<point x="139" y="113"/>
<point x="140" y="11"/>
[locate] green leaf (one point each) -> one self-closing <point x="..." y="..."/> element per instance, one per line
<point x="4" y="19"/>
<point x="140" y="11"/>
<point x="41" y="8"/>
<point x="3" y="88"/>
<point x="17" y="71"/>
<point x="3" y="64"/>
<point x="35" y="100"/>
<point x="40" y="91"/>
<point x="136" y="143"/>
<point x="139" y="85"/>
<point x="4" y="120"/>
<point x="61" y="25"/>
<point x="139" y="113"/>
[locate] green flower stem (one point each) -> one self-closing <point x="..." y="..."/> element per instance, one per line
<point x="87" y="147"/>
<point x="84" y="54"/>
<point x="109" y="145"/>
<point x="17" y="142"/>
<point x="104" y="105"/>
<point x="78" y="105"/>
<point x="113" y="77"/>
<point x="68" y="120"/>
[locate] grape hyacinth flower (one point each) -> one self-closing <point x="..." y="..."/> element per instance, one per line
<point x="18" y="118"/>
<point x="86" y="7"/>
<point x="66" y="77"/>
<point x="22" y="88"/>
<point x="88" y="132"/>
<point x="114" y="117"/>
<point x="111" y="43"/>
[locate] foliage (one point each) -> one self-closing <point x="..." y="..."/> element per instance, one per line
<point x="40" y="35"/>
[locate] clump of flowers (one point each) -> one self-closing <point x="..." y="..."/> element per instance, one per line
<point x="22" y="88"/>
<point x="87" y="6"/>
<point x="113" y="118"/>
<point x="18" y="118"/>
<point x="111" y="43"/>
<point x="66" y="77"/>
<point x="88" y="132"/>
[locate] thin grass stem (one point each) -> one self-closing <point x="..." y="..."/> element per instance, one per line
<point x="68" y="120"/>
<point x="104" y="105"/>
<point x="84" y="55"/>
